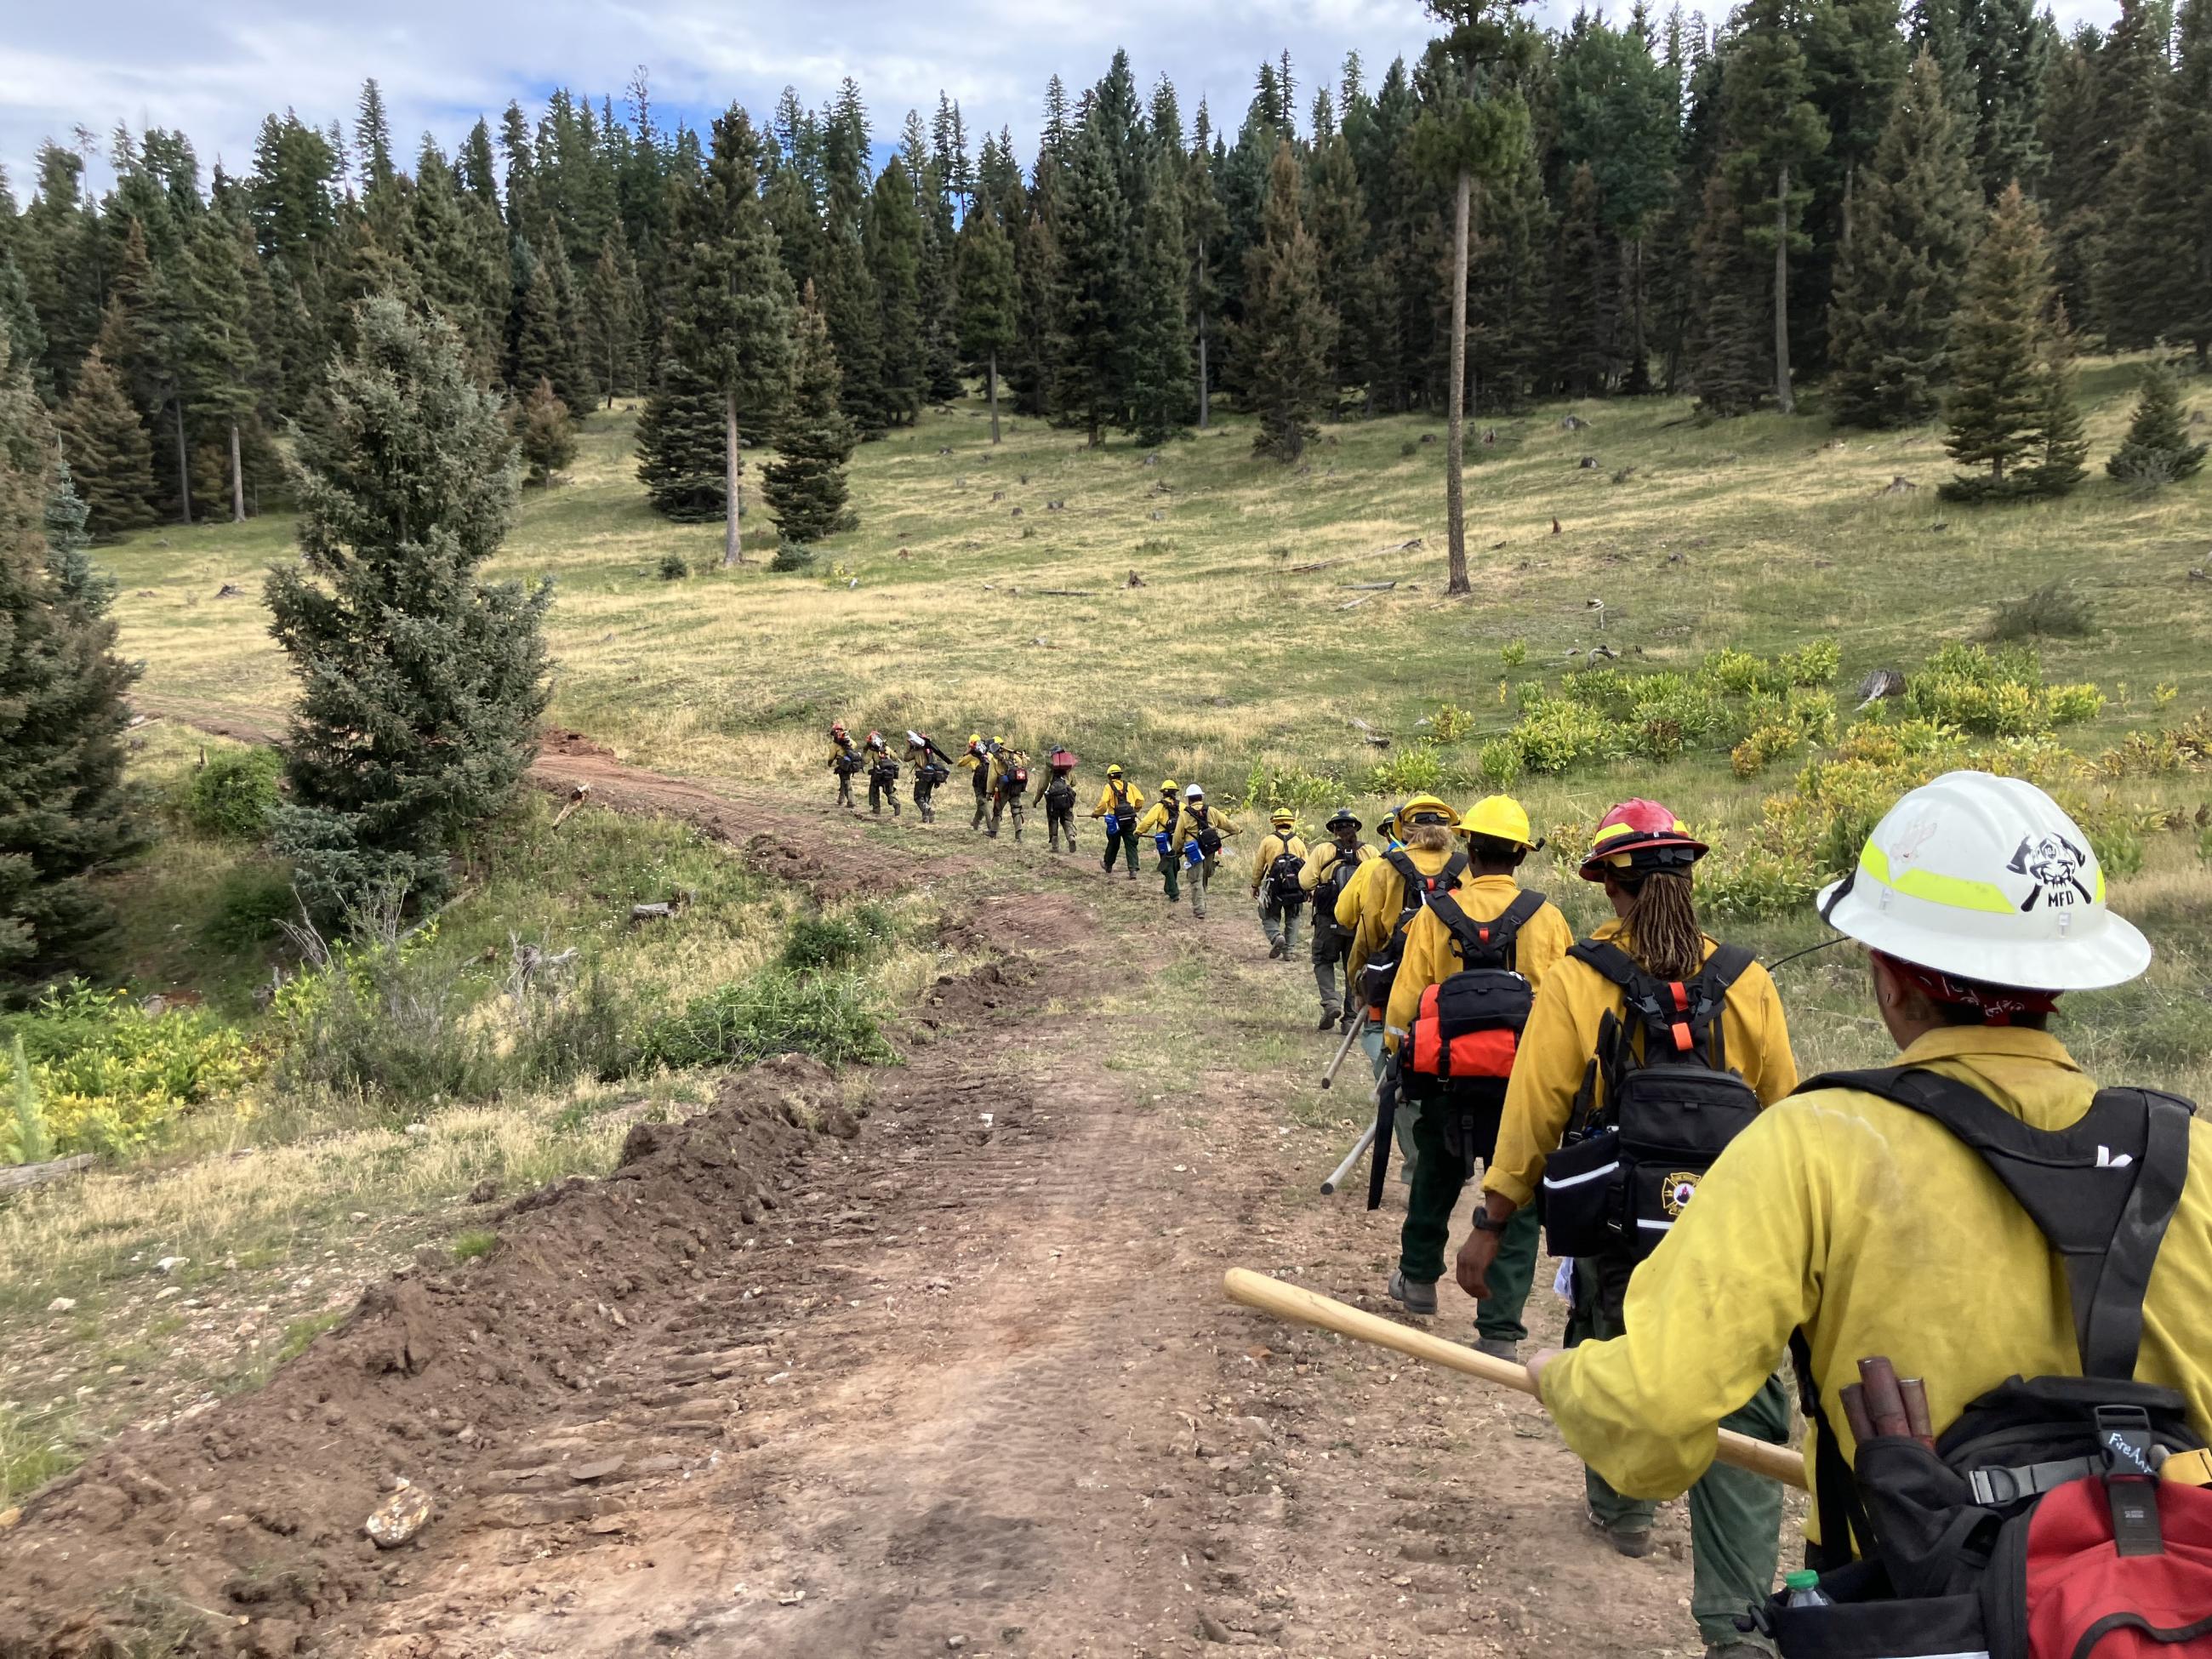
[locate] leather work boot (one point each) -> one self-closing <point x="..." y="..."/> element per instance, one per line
<point x="1329" y="1021"/>
<point x="1499" y="1347"/>
<point x="1412" y="1295"/>
<point x="1628" y="1538"/>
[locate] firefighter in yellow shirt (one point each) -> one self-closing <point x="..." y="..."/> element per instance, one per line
<point x="1199" y="833"/>
<point x="1870" y="1226"/>
<point x="1120" y="804"/>
<point x="1498" y="839"/>
<point x="976" y="763"/>
<point x="1159" y="822"/>
<point x="1276" y="864"/>
<point x="1648" y="1009"/>
<point x="1328" y="868"/>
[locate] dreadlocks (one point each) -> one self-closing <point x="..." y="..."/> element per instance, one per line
<point x="1661" y="929"/>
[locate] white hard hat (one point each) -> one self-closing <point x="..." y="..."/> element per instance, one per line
<point x="1193" y="794"/>
<point x="1985" y="878"/>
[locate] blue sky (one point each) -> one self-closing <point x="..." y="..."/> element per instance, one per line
<point x="215" y="69"/>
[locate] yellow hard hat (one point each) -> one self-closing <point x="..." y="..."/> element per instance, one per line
<point x="974" y="737"/>
<point x="1501" y="816"/>
<point x="1427" y="806"/>
<point x="1284" y="815"/>
<point x="1167" y="786"/>
<point x="1113" y="771"/>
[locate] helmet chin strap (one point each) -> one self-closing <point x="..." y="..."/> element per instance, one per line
<point x="1842" y="887"/>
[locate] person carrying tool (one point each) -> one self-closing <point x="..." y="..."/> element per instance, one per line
<point x="1010" y="785"/>
<point x="846" y="762"/>
<point x="1383" y="897"/>
<point x="1119" y="804"/>
<point x="883" y="775"/>
<point x="976" y="762"/>
<point x="929" y="768"/>
<point x="1057" y="793"/>
<point x="1474" y="962"/>
<point x="1649" y="1042"/>
<point x="1276" y="866"/>
<point x="1199" y="833"/>
<point x="1159" y="823"/>
<point x="1328" y="868"/>
<point x="1977" y="1215"/>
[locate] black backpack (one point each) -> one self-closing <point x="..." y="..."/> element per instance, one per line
<point x="884" y="768"/>
<point x="1418" y="890"/>
<point x="1330" y="888"/>
<point x="1014" y="781"/>
<point x="1060" y="794"/>
<point x="1283" y="879"/>
<point x="2038" y="1499"/>
<point x="933" y="772"/>
<point x="1209" y="838"/>
<point x="1647" y="1124"/>
<point x="845" y="763"/>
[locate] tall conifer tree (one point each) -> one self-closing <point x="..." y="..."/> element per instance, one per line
<point x="107" y="448"/>
<point x="1284" y="346"/>
<point x="805" y="484"/>
<point x="988" y="297"/>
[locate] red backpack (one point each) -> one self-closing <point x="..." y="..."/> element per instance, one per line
<point x="2039" y="1526"/>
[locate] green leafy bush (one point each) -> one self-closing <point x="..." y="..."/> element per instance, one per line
<point x="830" y="1016"/>
<point x="1515" y="654"/>
<point x="251" y="907"/>
<point x="1290" y="786"/>
<point x="233" y="793"/>
<point x="819" y="944"/>
<point x="1499" y="764"/>
<point x="674" y="566"/>
<point x="1996" y="693"/>
<point x="1414" y="771"/>
<point x="109" y="1078"/>
<point x="2053" y="611"/>
<point x="792" y="555"/>
<point x="1560" y="732"/>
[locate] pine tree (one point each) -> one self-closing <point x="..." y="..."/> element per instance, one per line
<point x="2001" y="403"/>
<point x="988" y="296"/>
<point x="83" y="584"/>
<point x="1771" y="131"/>
<point x="107" y="450"/>
<point x="1204" y="223"/>
<point x="732" y="324"/>
<point x="805" y="484"/>
<point x="2158" y="279"/>
<point x="893" y="249"/>
<point x="545" y="434"/>
<point x="1896" y="284"/>
<point x="66" y="815"/>
<point x="611" y="303"/>
<point x="1336" y="218"/>
<point x="1159" y="386"/>
<point x="1508" y="292"/>
<point x="419" y="683"/>
<point x="1724" y="354"/>
<point x="2063" y="439"/>
<point x="2157" y="450"/>
<point x="680" y="447"/>
<point x="1582" y="331"/>
<point x="1093" y="233"/>
<point x="1283" y="345"/>
<point x="372" y="141"/>
<point x="222" y="367"/>
<point x="2004" y="55"/>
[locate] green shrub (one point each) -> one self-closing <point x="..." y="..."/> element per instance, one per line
<point x="674" y="566"/>
<point x="1996" y="693"/>
<point x="1560" y="732"/>
<point x="1290" y="786"/>
<point x="795" y="556"/>
<point x="1499" y="764"/>
<point x="474" y="1244"/>
<point x="1815" y="663"/>
<point x="830" y="1016"/>
<point x="110" y="1079"/>
<point x="2054" y="611"/>
<point x="820" y="944"/>
<point x="251" y="907"/>
<point x="233" y="793"/>
<point x="32" y="1145"/>
<point x="1515" y="655"/>
<point x="1414" y="771"/>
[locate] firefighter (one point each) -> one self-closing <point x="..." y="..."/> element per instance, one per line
<point x="1010" y="785"/>
<point x="928" y="764"/>
<point x="976" y="763"/>
<point x="1057" y="794"/>
<point x="1120" y="804"/>
<point x="1328" y="868"/>
<point x="1651" y="1021"/>
<point x="1498" y="839"/>
<point x="1159" y="823"/>
<point x="1199" y="834"/>
<point x="1276" y="866"/>
<point x="883" y="775"/>
<point x="845" y="760"/>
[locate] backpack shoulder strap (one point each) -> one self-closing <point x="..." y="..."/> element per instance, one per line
<point x="1485" y="944"/>
<point x="2101" y="1191"/>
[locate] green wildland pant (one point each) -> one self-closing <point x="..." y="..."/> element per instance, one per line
<point x="1438" y="1180"/>
<point x="1171" y="877"/>
<point x="1122" y="841"/>
<point x="1280" y="922"/>
<point x="1736" y="1517"/>
<point x="1196" y="878"/>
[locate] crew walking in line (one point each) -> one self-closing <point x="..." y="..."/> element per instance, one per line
<point x="1159" y="823"/>
<point x="1276" y="869"/>
<point x="845" y="760"/>
<point x="1328" y="868"/>
<point x="1383" y="897"/>
<point x="1473" y="963"/>
<point x="1057" y="793"/>
<point x="1980" y="903"/>
<point x="929" y="768"/>
<point x="976" y="762"/>
<point x="1648" y="1046"/>
<point x="1199" y="833"/>
<point x="1119" y="804"/>
<point x="883" y="775"/>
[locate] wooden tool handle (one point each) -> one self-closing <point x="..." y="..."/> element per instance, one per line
<point x="1294" y="1302"/>
<point x="1885" y="1402"/>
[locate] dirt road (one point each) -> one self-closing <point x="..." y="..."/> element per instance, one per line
<point x="951" y="1375"/>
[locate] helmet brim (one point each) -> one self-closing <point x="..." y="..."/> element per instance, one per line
<point x="1597" y="865"/>
<point x="2112" y="953"/>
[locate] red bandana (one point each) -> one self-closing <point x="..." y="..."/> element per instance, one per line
<point x="1999" y="1004"/>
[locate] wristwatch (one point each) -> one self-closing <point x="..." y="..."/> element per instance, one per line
<point x="1483" y="1224"/>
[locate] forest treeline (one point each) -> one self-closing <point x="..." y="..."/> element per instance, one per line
<point x="1799" y="193"/>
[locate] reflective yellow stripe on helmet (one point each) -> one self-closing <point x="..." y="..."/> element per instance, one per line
<point x="1952" y="892"/>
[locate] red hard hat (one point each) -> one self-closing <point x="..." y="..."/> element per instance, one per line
<point x="1640" y="835"/>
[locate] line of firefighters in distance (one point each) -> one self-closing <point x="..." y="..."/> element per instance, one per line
<point x="1988" y="1275"/>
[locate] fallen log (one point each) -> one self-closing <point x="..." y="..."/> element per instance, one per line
<point x="21" y="1176"/>
<point x="1357" y="603"/>
<point x="1318" y="564"/>
<point x="1370" y="587"/>
<point x="1067" y="593"/>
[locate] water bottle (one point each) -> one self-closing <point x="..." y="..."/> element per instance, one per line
<point x="1804" y="1590"/>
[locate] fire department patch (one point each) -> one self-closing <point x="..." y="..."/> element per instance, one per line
<point x="1678" y="1190"/>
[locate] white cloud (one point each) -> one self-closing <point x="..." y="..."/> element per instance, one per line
<point x="214" y="70"/>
